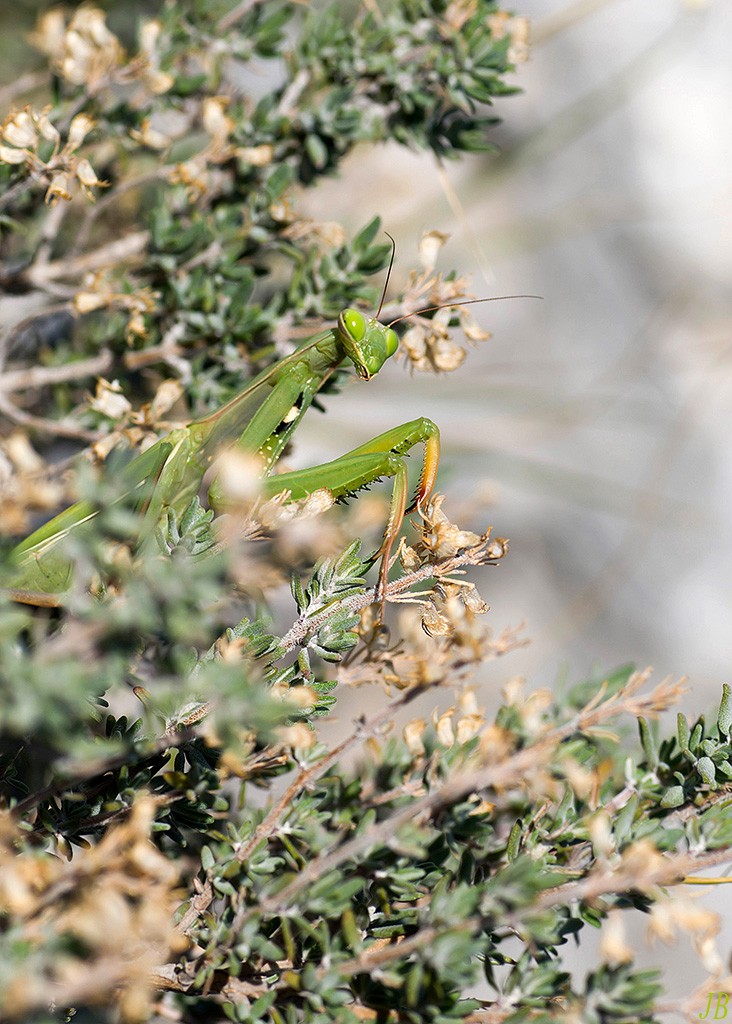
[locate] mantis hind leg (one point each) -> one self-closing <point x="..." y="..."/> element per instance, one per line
<point x="381" y="457"/>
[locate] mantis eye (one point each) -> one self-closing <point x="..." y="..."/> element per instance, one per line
<point x="392" y="342"/>
<point x="354" y="324"/>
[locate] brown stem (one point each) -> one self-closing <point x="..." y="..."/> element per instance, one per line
<point x="27" y="82"/>
<point x="42" y="376"/>
<point x="492" y="776"/>
<point x="111" y="253"/>
<point x="57" y="428"/>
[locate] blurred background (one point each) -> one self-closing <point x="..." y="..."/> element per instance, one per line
<point x="593" y="428"/>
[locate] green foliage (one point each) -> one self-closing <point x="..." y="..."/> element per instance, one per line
<point x="385" y="877"/>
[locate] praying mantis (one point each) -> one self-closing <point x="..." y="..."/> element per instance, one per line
<point x="259" y="421"/>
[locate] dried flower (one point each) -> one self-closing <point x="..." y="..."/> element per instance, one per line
<point x="84" y="52"/>
<point x="88" y="178"/>
<point x="99" y="293"/>
<point x="443" y="727"/>
<point x="413" y="732"/>
<point x="217" y="123"/>
<point x="255" y="156"/>
<point x="439" y="537"/>
<point x="25" y="135"/>
<point x="146" y="135"/>
<point x="298" y="736"/>
<point x="614" y="948"/>
<point x="12" y="156"/>
<point x="58" y="188"/>
<point x="79" y="128"/>
<point x="429" y="247"/>
<point x="20" y="130"/>
<point x="109" y="400"/>
<point x="157" y="81"/>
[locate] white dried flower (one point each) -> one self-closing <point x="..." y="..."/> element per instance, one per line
<point x="8" y="155"/>
<point x="429" y="248"/>
<point x="149" y="136"/>
<point x="468" y="726"/>
<point x="88" y="178"/>
<point x="157" y="81"/>
<point x="58" y="188"/>
<point x="255" y="156"/>
<point x="48" y="35"/>
<point x="79" y="128"/>
<point x="413" y="733"/>
<point x="216" y="122"/>
<point x="298" y="736"/>
<point x="109" y="400"/>
<point x="20" y="130"/>
<point x="443" y="727"/>
<point x="614" y="949"/>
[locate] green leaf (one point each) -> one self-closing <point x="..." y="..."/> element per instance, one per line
<point x="648" y="741"/>
<point x="724" y="717"/>
<point x="365" y="237"/>
<point x="673" y="797"/>
<point x="705" y="767"/>
<point x="317" y="151"/>
<point x="682" y="731"/>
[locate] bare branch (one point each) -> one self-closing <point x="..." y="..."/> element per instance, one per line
<point x="133" y="244"/>
<point x="43" y="376"/>
<point x="58" y="428"/>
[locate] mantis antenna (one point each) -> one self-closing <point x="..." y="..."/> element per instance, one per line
<point x="388" y="273"/>
<point x="444" y="305"/>
<point x="464" y="302"/>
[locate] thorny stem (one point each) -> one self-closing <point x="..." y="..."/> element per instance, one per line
<point x="491" y="776"/>
<point x="307" y="775"/>
<point x="304" y="626"/>
<point x="595" y="884"/>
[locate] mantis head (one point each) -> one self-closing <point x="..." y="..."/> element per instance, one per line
<point x="368" y="343"/>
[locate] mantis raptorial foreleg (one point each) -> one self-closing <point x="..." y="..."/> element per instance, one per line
<point x="381" y="457"/>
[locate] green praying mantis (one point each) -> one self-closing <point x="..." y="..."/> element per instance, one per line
<point x="259" y="421"/>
